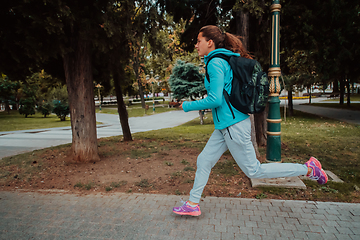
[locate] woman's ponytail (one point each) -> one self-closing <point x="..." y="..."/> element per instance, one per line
<point x="224" y="40"/>
<point x="234" y="44"/>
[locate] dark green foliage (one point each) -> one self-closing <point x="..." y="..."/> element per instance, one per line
<point x="45" y="108"/>
<point x="28" y="100"/>
<point x="197" y="14"/>
<point x="27" y="106"/>
<point x="61" y="109"/>
<point x="8" y="90"/>
<point x="186" y="81"/>
<point x="328" y="30"/>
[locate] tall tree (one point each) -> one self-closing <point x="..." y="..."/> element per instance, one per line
<point x="330" y="30"/>
<point x="46" y="31"/>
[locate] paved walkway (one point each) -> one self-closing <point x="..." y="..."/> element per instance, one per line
<point x="16" y="142"/>
<point x="343" y="115"/>
<point x="145" y="216"/>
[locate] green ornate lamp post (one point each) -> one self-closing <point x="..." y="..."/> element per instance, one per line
<point x="273" y="151"/>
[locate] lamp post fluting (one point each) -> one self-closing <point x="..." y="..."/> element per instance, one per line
<point x="273" y="150"/>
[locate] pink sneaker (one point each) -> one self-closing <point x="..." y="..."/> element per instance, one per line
<point x="185" y="209"/>
<point x="317" y="172"/>
<point x="315" y="161"/>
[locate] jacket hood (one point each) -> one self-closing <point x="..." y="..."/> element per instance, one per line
<point x="222" y="51"/>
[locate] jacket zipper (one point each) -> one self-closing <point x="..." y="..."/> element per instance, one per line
<point x="216" y="115"/>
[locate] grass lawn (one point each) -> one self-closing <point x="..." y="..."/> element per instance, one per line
<point x="15" y="121"/>
<point x="334" y="143"/>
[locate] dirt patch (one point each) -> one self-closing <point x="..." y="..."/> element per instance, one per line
<point x="141" y="166"/>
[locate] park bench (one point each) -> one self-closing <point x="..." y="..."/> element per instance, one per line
<point x="334" y="95"/>
<point x="174" y="104"/>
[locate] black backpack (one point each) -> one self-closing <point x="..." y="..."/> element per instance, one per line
<point x="250" y="85"/>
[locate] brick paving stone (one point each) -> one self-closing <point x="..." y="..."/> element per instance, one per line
<point x="226" y="222"/>
<point x="287" y="233"/>
<point x="263" y="208"/>
<point x="292" y="220"/>
<point x="304" y="228"/>
<point x="252" y="207"/>
<point x="267" y="219"/>
<point x="343" y="236"/>
<point x="272" y="232"/>
<point x="356" y="231"/>
<point x="328" y="229"/>
<point x="329" y="236"/>
<point x="232" y="216"/>
<point x="208" y="228"/>
<point x="127" y="216"/>
<point x="251" y="224"/>
<point x="263" y="225"/>
<point x="233" y="229"/>
<point x="259" y="231"/>
<point x="259" y="212"/>
<point x="331" y="223"/>
<point x="246" y="230"/>
<point x="304" y="221"/>
<point x="255" y="218"/>
<point x="279" y="219"/>
<point x="255" y="237"/>
<point x="282" y="214"/>
<point x="239" y="223"/>
<point x="248" y="212"/>
<point x="220" y="228"/>
<point x="214" y="235"/>
<point x="227" y="236"/>
<point x="214" y="221"/>
<point x="344" y="230"/>
<point x="316" y="229"/>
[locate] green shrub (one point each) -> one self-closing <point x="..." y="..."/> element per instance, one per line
<point x="27" y="106"/>
<point x="61" y="109"/>
<point x="45" y="108"/>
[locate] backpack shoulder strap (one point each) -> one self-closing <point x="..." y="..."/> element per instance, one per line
<point x="220" y="55"/>
<point x="226" y="95"/>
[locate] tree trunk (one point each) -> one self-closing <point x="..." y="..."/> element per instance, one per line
<point x="342" y="90"/>
<point x="258" y="121"/>
<point x="290" y="103"/>
<point x="123" y="114"/>
<point x="201" y="117"/>
<point x="242" y="27"/>
<point x="7" y="107"/>
<point x="309" y="91"/>
<point x="261" y="126"/>
<point x="79" y="81"/>
<point x="136" y="66"/>
<point x="253" y="136"/>
<point x="348" y="92"/>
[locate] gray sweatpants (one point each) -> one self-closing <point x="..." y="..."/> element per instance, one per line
<point x="237" y="138"/>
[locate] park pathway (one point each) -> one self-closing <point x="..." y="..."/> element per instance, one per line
<point x="16" y="142"/>
<point x="35" y="215"/>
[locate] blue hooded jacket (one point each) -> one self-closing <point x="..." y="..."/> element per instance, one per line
<point x="221" y="76"/>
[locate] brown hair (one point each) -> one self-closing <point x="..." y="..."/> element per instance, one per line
<point x="224" y="40"/>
